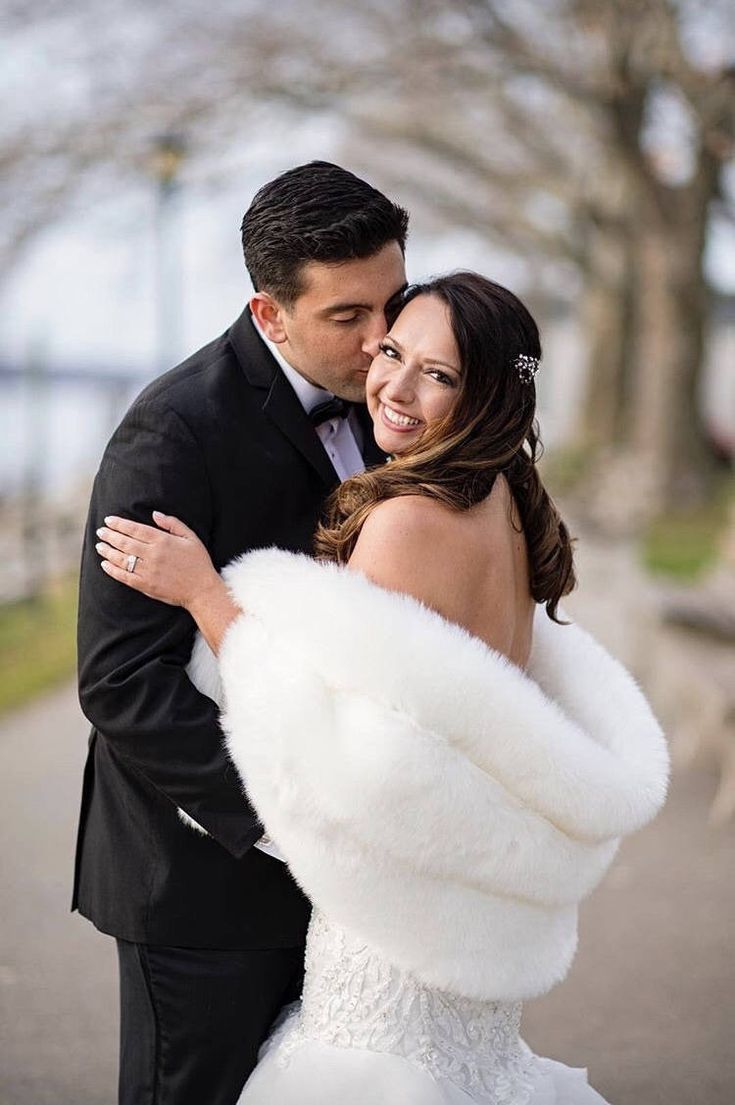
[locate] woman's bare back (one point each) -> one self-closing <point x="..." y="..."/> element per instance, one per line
<point x="471" y="566"/>
<point x="499" y="606"/>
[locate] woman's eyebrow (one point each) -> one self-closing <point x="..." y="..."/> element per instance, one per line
<point x="444" y="364"/>
<point x="428" y="360"/>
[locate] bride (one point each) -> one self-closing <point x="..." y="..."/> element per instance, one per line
<point x="446" y="765"/>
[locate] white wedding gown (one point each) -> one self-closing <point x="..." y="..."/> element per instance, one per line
<point x="366" y="1033"/>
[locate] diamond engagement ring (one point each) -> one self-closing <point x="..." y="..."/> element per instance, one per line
<point x="130" y="563"/>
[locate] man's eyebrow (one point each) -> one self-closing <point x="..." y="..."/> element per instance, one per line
<point x="335" y="308"/>
<point x="429" y="360"/>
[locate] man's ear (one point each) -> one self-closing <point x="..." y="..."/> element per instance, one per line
<point x="268" y="313"/>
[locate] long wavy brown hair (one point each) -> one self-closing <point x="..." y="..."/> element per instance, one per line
<point x="491" y="429"/>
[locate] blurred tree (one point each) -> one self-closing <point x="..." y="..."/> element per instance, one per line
<point x="588" y="136"/>
<point x="599" y="132"/>
<point x="666" y="126"/>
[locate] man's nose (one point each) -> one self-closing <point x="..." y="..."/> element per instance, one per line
<point x="374" y="334"/>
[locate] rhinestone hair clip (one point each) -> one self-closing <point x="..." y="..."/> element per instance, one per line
<point x="526" y="367"/>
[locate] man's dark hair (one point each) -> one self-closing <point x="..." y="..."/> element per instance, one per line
<point x="315" y="212"/>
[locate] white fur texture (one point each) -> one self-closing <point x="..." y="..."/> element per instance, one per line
<point x="428" y="794"/>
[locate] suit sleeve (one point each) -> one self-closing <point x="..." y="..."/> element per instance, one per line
<point x="133" y="651"/>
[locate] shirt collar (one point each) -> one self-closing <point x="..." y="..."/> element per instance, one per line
<point x="309" y="395"/>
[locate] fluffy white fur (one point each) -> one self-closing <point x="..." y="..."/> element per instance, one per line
<point x="428" y="794"/>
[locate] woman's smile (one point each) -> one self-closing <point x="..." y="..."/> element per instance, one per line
<point x="398" y="421"/>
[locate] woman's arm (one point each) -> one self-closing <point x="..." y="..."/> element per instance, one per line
<point x="171" y="565"/>
<point x="214" y="612"/>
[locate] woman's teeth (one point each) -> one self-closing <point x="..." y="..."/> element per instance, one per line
<point x="400" y="419"/>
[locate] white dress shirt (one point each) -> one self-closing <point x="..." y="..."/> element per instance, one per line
<point x="341" y="438"/>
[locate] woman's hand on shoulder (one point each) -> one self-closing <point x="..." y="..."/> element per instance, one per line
<point x="167" y="561"/>
<point x="409" y="544"/>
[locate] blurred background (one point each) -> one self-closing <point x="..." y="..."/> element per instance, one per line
<point x="581" y="152"/>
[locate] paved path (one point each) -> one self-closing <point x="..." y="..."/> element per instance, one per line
<point x="649" y="1006"/>
<point x="57" y="974"/>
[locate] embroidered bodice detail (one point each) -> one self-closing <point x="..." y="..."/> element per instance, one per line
<point x="353" y="998"/>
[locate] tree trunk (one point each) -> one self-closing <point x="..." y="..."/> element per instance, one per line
<point x="667" y="434"/>
<point x="606" y="318"/>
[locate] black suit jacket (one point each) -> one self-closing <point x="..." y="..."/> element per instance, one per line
<point x="222" y="442"/>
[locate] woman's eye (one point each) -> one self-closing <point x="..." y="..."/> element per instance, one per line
<point x="442" y="377"/>
<point x="390" y="352"/>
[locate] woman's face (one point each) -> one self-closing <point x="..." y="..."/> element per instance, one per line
<point x="415" y="378"/>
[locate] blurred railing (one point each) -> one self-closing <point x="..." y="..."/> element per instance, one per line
<point x="45" y="478"/>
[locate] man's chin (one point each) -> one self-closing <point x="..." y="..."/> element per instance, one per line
<point x="352" y="391"/>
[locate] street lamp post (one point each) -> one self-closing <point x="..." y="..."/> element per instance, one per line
<point x="168" y="154"/>
<point x="34" y="536"/>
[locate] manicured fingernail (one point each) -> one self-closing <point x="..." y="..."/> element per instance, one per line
<point x="100" y="532"/>
<point x="109" y="519"/>
<point x="105" y="564"/>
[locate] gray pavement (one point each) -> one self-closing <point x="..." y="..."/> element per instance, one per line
<point x="649" y="1006"/>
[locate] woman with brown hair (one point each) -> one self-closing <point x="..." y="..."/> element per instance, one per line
<point x="448" y="781"/>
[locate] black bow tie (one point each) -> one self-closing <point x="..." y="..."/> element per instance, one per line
<point x="333" y="408"/>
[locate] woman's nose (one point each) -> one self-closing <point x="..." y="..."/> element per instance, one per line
<point x="399" y="386"/>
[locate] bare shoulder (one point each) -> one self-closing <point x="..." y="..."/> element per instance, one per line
<point x="406" y="545"/>
<point x="408" y="517"/>
<point x="406" y="531"/>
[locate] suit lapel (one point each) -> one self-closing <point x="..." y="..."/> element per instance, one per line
<point x="280" y="402"/>
<point x="283" y="407"/>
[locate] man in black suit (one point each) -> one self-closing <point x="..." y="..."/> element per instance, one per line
<point x="211" y="928"/>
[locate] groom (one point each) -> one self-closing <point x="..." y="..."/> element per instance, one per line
<point x="244" y="441"/>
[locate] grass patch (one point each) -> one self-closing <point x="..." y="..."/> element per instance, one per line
<point x="564" y="468"/>
<point x="37" y="643"/>
<point x="686" y="544"/>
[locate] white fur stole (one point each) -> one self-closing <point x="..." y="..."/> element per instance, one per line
<point x="428" y="795"/>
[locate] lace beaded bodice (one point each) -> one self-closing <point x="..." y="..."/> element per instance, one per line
<point x="352" y="998"/>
